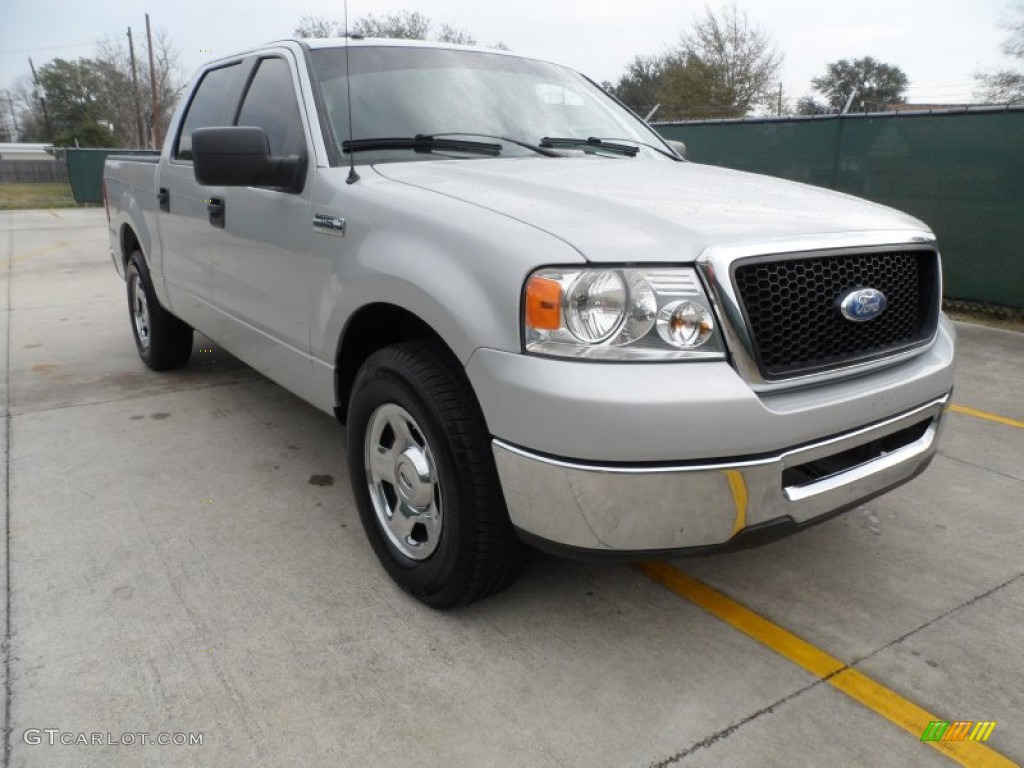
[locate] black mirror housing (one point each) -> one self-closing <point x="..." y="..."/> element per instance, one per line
<point x="239" y="156"/>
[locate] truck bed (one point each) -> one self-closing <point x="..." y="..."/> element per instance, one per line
<point x="130" y="185"/>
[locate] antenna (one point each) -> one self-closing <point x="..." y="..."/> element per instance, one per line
<point x="353" y="177"/>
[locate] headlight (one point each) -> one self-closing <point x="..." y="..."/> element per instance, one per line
<point x="620" y="314"/>
<point x="595" y="306"/>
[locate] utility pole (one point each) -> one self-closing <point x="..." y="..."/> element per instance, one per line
<point x="157" y="143"/>
<point x="139" y="132"/>
<point x="780" y="100"/>
<point x="42" y="100"/>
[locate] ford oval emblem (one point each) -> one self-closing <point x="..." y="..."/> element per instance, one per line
<point x="862" y="304"/>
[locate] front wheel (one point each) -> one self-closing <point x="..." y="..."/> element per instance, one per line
<point x="163" y="341"/>
<point x="424" y="478"/>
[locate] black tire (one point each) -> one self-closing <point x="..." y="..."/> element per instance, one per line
<point x="475" y="553"/>
<point x="164" y="342"/>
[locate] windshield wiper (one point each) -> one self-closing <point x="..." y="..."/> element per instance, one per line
<point x="593" y="142"/>
<point x="517" y="142"/>
<point x="655" y="147"/>
<point x="421" y="143"/>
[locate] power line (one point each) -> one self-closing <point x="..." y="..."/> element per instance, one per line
<point x="49" y="48"/>
<point x="950" y="86"/>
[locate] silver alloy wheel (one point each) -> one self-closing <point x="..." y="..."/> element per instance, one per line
<point x="403" y="482"/>
<point x="140" y="311"/>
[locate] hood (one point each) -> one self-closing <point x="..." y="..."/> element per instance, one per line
<point x="633" y="210"/>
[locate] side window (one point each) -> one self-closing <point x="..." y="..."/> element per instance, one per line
<point x="213" y="105"/>
<point x="270" y="104"/>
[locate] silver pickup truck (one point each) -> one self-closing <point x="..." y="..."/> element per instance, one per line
<point x="539" y="322"/>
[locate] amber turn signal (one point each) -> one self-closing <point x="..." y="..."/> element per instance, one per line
<point x="543" y="304"/>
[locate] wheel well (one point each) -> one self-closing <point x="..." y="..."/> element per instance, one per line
<point x="129" y="244"/>
<point x="374" y="327"/>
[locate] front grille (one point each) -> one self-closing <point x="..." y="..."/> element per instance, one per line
<point x="791" y="308"/>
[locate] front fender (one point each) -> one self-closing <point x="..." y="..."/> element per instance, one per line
<point x="458" y="267"/>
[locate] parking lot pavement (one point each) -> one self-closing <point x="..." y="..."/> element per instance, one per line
<point x="185" y="558"/>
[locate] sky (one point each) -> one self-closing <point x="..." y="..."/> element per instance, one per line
<point x="939" y="44"/>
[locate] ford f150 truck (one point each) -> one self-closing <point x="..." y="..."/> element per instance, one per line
<point x="538" y="321"/>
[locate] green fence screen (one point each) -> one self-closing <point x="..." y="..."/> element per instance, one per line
<point x="962" y="173"/>
<point x="85" y="171"/>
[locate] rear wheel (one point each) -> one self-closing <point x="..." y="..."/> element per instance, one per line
<point x="163" y="341"/>
<point x="424" y="478"/>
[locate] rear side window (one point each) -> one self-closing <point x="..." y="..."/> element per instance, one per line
<point x="213" y="105"/>
<point x="270" y="104"/>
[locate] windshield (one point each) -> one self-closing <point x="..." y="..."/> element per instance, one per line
<point x="403" y="92"/>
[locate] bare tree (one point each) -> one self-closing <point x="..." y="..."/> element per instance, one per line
<point x="118" y="98"/>
<point x="1006" y="86"/>
<point x="122" y="102"/>
<point x="9" y="122"/>
<point x="741" y="58"/>
<point x="722" y="67"/>
<point x="450" y="34"/>
<point x="316" y="26"/>
<point x="22" y="95"/>
<point x="171" y="79"/>
<point x="402" y="25"/>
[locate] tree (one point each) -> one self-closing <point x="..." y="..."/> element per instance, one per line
<point x="694" y="88"/>
<point x="736" y="63"/>
<point x="23" y="103"/>
<point x="640" y="85"/>
<point x="808" y="105"/>
<point x="113" y="60"/>
<point x="876" y="84"/>
<point x="402" y="25"/>
<point x="450" y="34"/>
<point x="91" y="100"/>
<point x="1006" y="86"/>
<point x="8" y="117"/>
<point x="73" y="102"/>
<point x="317" y="26"/>
<point x="722" y="67"/>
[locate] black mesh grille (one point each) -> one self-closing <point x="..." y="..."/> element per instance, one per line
<point x="792" y="308"/>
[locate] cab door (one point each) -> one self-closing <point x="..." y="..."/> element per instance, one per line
<point x="187" y="237"/>
<point x="261" y="268"/>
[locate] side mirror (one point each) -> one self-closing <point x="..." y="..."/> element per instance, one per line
<point x="240" y="157"/>
<point x="678" y="146"/>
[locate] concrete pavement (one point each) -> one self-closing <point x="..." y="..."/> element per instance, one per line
<point x="175" y="568"/>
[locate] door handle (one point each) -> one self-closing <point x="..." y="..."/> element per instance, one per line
<point x="163" y="197"/>
<point x="215" y="207"/>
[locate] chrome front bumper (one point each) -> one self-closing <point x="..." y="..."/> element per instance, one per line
<point x="656" y="508"/>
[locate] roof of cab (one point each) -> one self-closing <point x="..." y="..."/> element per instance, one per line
<point x="359" y="42"/>
<point x="339" y="42"/>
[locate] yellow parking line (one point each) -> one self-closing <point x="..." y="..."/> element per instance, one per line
<point x="53" y="213"/>
<point x="988" y="416"/>
<point x="859" y="687"/>
<point x="37" y="252"/>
